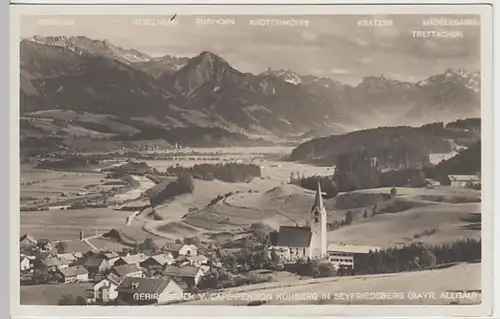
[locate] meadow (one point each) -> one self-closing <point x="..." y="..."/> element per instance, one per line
<point x="460" y="277"/>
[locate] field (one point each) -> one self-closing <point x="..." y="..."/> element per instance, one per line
<point x="49" y="294"/>
<point x="67" y="224"/>
<point x="144" y="184"/>
<point x="40" y="183"/>
<point x="458" y="278"/>
<point x="433" y="216"/>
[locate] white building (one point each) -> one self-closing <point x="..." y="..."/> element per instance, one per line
<point x="25" y="263"/>
<point x="74" y="274"/>
<point x="293" y="242"/>
<point x="464" y="180"/>
<point x="341" y="255"/>
<point x="104" y="290"/>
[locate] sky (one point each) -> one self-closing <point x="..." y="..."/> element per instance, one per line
<point x="329" y="46"/>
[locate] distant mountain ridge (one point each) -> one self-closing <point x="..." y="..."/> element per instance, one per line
<point x="81" y="74"/>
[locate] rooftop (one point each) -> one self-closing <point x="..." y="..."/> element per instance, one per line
<point x="174" y="247"/>
<point x="464" y="177"/>
<point x="124" y="270"/>
<point x="354" y="249"/>
<point x="113" y="278"/>
<point x="143" y="285"/>
<point x="110" y="254"/>
<point x="290" y="236"/>
<point x="55" y="261"/>
<point x="73" y="271"/>
<point x="185" y="271"/>
<point x="162" y="259"/>
<point x="133" y="259"/>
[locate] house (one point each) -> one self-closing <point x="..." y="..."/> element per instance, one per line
<point x="196" y="261"/>
<point x="44" y="244"/>
<point x="74" y="274"/>
<point x="52" y="263"/>
<point x="94" y="263"/>
<point x="111" y="257"/>
<point x="122" y="271"/>
<point x="143" y="291"/>
<point x="130" y="259"/>
<point x="104" y="291"/>
<point x="344" y="256"/>
<point x="189" y="274"/>
<point x="464" y="180"/>
<point x="295" y="242"/>
<point x="70" y="257"/>
<point x="25" y="263"/>
<point x="157" y="261"/>
<point x="178" y="249"/>
<point x="27" y="242"/>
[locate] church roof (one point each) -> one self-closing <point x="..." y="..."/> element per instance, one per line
<point x="318" y="200"/>
<point x="291" y="236"/>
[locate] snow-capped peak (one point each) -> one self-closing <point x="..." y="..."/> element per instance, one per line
<point x="285" y="75"/>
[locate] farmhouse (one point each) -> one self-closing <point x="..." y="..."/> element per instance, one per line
<point x="93" y="263"/>
<point x="52" y="263"/>
<point x="122" y="271"/>
<point x="143" y="291"/>
<point x="27" y="242"/>
<point x="43" y="244"/>
<point x="104" y="291"/>
<point x="158" y="261"/>
<point x="189" y="274"/>
<point x="343" y="256"/>
<point x="197" y="261"/>
<point x="294" y="242"/>
<point x="25" y="263"/>
<point x="130" y="259"/>
<point x="110" y="257"/>
<point x="464" y="180"/>
<point x="70" y="257"/>
<point x="181" y="250"/>
<point x="74" y="274"/>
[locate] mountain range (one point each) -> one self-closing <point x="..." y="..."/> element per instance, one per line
<point x="98" y="78"/>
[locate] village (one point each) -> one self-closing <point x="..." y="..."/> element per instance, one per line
<point x="148" y="274"/>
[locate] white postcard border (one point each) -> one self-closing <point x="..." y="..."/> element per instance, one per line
<point x="24" y="311"/>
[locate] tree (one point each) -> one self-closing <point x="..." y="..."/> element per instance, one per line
<point x="61" y="247"/>
<point x="149" y="244"/>
<point x="393" y="191"/>
<point x="80" y="301"/>
<point x="348" y="218"/>
<point x="326" y="270"/>
<point x="192" y="241"/>
<point x="66" y="300"/>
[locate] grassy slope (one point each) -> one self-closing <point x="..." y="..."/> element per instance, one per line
<point x="456" y="278"/>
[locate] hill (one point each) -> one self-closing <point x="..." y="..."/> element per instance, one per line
<point x="393" y="147"/>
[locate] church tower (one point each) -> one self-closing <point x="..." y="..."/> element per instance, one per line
<point x="318" y="227"/>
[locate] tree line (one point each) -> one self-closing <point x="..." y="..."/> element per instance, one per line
<point x="227" y="172"/>
<point x="417" y="257"/>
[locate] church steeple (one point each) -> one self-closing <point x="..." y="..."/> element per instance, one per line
<point x="318" y="226"/>
<point x="318" y="201"/>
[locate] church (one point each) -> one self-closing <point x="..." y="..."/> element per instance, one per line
<point x="295" y="242"/>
